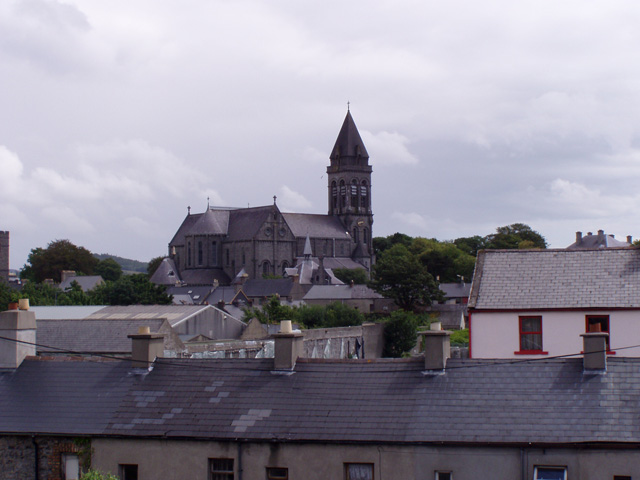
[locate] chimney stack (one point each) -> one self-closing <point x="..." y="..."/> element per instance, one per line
<point x="19" y="326"/>
<point x="629" y="239"/>
<point x="578" y="237"/>
<point x="288" y="347"/>
<point x="595" y="351"/>
<point x="437" y="348"/>
<point x="145" y="347"/>
<point x="64" y="274"/>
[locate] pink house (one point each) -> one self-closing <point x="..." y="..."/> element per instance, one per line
<point x="536" y="303"/>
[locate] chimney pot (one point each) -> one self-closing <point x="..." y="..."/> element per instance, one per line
<point x="578" y="237"/>
<point x="600" y="232"/>
<point x="629" y="239"/>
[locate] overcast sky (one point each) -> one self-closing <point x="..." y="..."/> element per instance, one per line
<point x="115" y="116"/>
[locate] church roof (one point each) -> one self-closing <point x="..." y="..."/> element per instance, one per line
<point x="315" y="226"/>
<point x="245" y="223"/>
<point x="187" y="224"/>
<point x="211" y="222"/>
<point x="349" y="143"/>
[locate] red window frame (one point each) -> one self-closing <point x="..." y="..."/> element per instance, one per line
<point x="522" y="333"/>
<point x="605" y="326"/>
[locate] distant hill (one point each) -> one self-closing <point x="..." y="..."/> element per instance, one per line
<point x="128" y="265"/>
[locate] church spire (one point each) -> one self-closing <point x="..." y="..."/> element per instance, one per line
<point x="349" y="144"/>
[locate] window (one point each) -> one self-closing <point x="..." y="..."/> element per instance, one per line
<point x="334" y="195"/>
<point x="277" y="473"/>
<point x="343" y="194"/>
<point x="128" y="472"/>
<point x="214" y="253"/>
<point x="358" y="471"/>
<point x="266" y="268"/>
<point x="221" y="469"/>
<point x="550" y="473"/>
<point x="355" y="235"/>
<point x="354" y="193"/>
<point x="244" y="258"/>
<point x="444" y="476"/>
<point x="227" y="254"/>
<point x="200" y="256"/>
<point x="530" y="335"/>
<point x="599" y="323"/>
<point x="365" y="236"/>
<point x="621" y="477"/>
<point x="189" y="253"/>
<point x="363" y="195"/>
<point x="70" y="466"/>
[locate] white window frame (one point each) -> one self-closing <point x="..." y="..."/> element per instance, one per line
<point x="548" y="467"/>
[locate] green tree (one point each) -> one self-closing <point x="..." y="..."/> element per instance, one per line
<point x="109" y="269"/>
<point x="135" y="289"/>
<point x="272" y="311"/>
<point x="444" y="260"/>
<point x="153" y="265"/>
<point x="400" y="333"/>
<point x="346" y="275"/>
<point x="471" y="245"/>
<point x="341" y="315"/>
<point x="59" y="255"/>
<point x="517" y="235"/>
<point x="380" y="244"/>
<point x="400" y="275"/>
<point x="5" y="296"/>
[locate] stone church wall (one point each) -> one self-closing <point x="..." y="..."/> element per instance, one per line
<point x="4" y="256"/>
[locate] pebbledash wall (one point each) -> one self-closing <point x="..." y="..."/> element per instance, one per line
<point x="496" y="334"/>
<point x="19" y="460"/>
<point x="175" y="460"/>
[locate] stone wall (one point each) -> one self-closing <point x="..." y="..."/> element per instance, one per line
<point x="18" y="453"/>
<point x="4" y="256"/>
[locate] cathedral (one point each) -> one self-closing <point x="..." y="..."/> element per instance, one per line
<point x="219" y="244"/>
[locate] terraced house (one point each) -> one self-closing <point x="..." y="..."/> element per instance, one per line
<point x="286" y="418"/>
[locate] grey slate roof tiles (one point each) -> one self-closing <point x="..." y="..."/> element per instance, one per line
<point x="545" y="402"/>
<point x="556" y="279"/>
<point x="315" y="226"/>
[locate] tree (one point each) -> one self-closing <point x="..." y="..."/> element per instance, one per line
<point x="517" y="235"/>
<point x="400" y="333"/>
<point x="471" y="245"/>
<point x="444" y="260"/>
<point x="153" y="265"/>
<point x="109" y="269"/>
<point x="272" y="311"/>
<point x="133" y="289"/>
<point x="380" y="244"/>
<point x="59" y="255"/>
<point x="347" y="275"/>
<point x="398" y="274"/>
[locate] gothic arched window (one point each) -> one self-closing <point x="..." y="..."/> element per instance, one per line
<point x="266" y="268"/>
<point x="200" y="253"/>
<point x="354" y="193"/>
<point x="334" y="195"/>
<point x="189" y="253"/>
<point x="355" y="234"/>
<point x="365" y="236"/>
<point x="343" y="194"/>
<point x="364" y="197"/>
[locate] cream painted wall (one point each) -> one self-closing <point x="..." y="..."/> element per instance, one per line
<point x="178" y="460"/>
<point x="496" y="335"/>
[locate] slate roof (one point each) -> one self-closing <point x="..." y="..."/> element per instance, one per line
<point x="187" y="223"/>
<point x="86" y="282"/>
<point x="476" y="401"/>
<point x="204" y="276"/>
<point x="601" y="240"/>
<point x="261" y="287"/>
<point x="455" y="290"/>
<point x="340" y="292"/>
<point x="315" y="225"/>
<point x="211" y="222"/>
<point x="189" y="294"/>
<point x="556" y="279"/>
<point x="245" y="223"/>
<point x="166" y="273"/>
<point x="56" y="396"/>
<point x="91" y="336"/>
<point x="349" y="143"/>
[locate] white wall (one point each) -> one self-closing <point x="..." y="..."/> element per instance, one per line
<point x="496" y="335"/>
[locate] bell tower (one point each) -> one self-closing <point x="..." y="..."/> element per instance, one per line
<point x="349" y="178"/>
